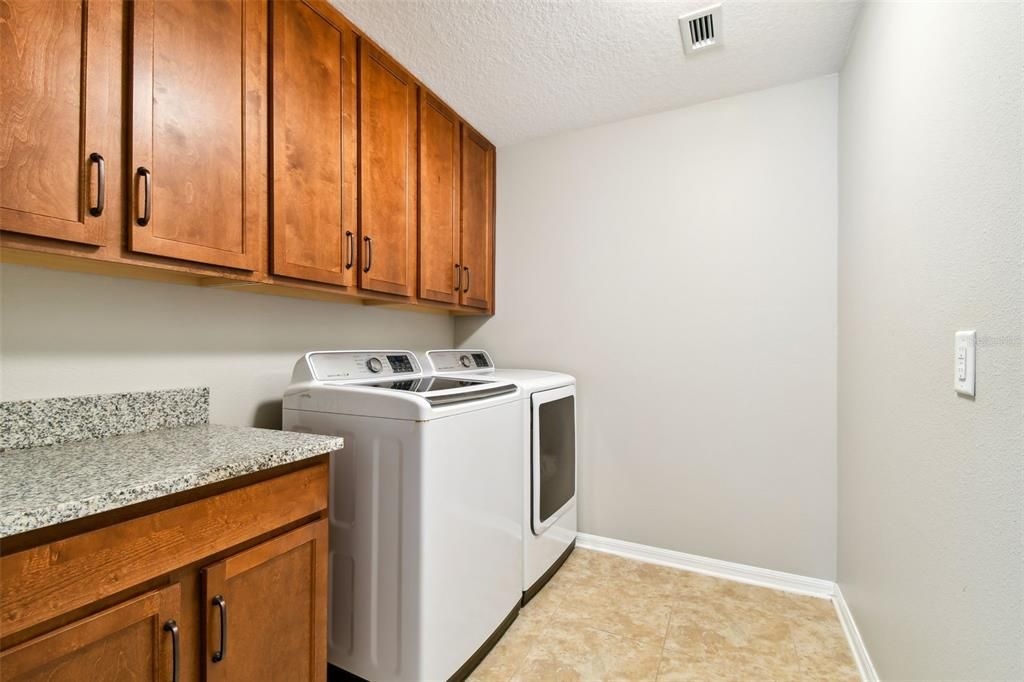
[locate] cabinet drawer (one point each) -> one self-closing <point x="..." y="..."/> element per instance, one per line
<point x="46" y="581"/>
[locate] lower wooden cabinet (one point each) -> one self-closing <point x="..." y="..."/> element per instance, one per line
<point x="138" y="639"/>
<point x="265" y="610"/>
<point x="230" y="586"/>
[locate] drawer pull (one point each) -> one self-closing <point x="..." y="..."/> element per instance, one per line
<point x="172" y="627"/>
<point x="222" y="606"/>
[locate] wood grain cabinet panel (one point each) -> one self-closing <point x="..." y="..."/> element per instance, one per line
<point x="477" y="221"/>
<point x="198" y="130"/>
<point x="267" y="610"/>
<point x="439" y="268"/>
<point x="314" y="145"/>
<point x="387" y="171"/>
<point x="131" y="641"/>
<point x="95" y="604"/>
<point x="57" y="74"/>
<point x="268" y="142"/>
<point x="46" y="581"/>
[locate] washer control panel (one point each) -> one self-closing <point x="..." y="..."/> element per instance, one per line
<point x="359" y="364"/>
<point x="447" y="361"/>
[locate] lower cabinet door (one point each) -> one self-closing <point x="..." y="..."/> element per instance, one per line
<point x="266" y="610"/>
<point x="136" y="640"/>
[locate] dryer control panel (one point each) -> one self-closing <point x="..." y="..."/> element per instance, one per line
<point x="342" y="365"/>
<point x="448" y="361"/>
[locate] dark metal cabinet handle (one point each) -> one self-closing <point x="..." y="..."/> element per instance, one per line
<point x="147" y="196"/>
<point x="466" y="290"/>
<point x="222" y="605"/>
<point x="350" y="239"/>
<point x="458" y="277"/>
<point x="101" y="184"/>
<point x="369" y="254"/>
<point x="172" y="627"/>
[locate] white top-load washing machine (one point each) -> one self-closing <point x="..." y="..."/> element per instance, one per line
<point x="548" y="457"/>
<point x="425" y="510"/>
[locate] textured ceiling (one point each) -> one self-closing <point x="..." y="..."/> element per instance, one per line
<point x="519" y="69"/>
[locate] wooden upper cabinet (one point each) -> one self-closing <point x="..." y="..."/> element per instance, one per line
<point x="477" y="221"/>
<point x="135" y="640"/>
<point x="266" y="610"/>
<point x="387" y="173"/>
<point x="59" y="154"/>
<point x="439" y="266"/>
<point x="314" y="145"/>
<point x="198" y="130"/>
<point x="271" y="138"/>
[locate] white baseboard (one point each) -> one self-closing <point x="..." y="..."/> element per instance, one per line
<point x="752" y="575"/>
<point x="860" y="652"/>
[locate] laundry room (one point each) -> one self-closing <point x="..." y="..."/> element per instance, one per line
<point x="415" y="340"/>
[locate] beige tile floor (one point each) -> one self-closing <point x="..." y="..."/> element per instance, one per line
<point x="602" y="617"/>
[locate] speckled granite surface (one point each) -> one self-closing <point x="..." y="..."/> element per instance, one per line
<point x="43" y="486"/>
<point x="52" y="421"/>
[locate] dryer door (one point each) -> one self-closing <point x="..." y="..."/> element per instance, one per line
<point x="553" y="455"/>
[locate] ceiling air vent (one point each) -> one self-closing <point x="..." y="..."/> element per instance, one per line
<point x="702" y="29"/>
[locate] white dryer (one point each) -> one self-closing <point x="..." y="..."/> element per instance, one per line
<point x="548" y="458"/>
<point x="425" y="511"/>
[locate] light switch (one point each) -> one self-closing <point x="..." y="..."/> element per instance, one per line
<point x="963" y="370"/>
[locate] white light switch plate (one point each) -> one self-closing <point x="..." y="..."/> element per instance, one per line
<point x="963" y="364"/>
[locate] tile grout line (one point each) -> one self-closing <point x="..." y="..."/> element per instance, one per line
<point x="796" y="651"/>
<point x="664" y="641"/>
<point x="594" y="628"/>
<point x="519" y="666"/>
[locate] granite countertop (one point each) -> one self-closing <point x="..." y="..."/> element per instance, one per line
<point x="42" y="486"/>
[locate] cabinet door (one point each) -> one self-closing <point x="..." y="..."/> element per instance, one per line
<point x="198" y="130"/>
<point x="387" y="172"/>
<point x="314" y="148"/>
<point x="477" y="221"/>
<point x="439" y="267"/>
<point x="58" y="153"/>
<point x="136" y="640"/>
<point x="266" y="610"/>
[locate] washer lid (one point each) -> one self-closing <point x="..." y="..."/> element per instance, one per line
<point x="446" y="390"/>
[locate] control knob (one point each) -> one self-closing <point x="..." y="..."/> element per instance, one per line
<point x="374" y="365"/>
<point x="465" y="360"/>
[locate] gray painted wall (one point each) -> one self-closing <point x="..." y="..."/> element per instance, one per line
<point x="682" y="266"/>
<point x="931" y="485"/>
<point x="66" y="333"/>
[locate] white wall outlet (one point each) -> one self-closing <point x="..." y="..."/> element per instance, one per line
<point x="963" y="367"/>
